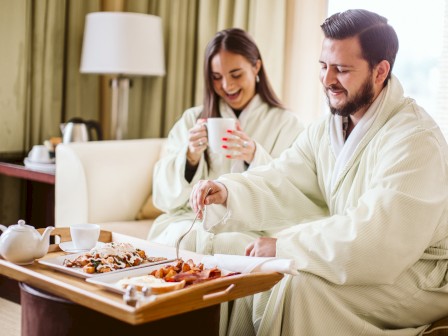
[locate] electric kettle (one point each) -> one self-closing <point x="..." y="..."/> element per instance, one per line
<point x="79" y="130"/>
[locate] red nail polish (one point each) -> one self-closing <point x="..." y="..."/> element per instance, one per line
<point x="224" y="146"/>
<point x="229" y="156"/>
<point x="230" y="131"/>
<point x="224" y="139"/>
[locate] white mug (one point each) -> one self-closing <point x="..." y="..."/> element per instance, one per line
<point x="39" y="154"/>
<point x="217" y="129"/>
<point x="84" y="236"/>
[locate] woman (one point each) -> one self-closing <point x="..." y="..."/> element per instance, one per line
<point x="236" y="86"/>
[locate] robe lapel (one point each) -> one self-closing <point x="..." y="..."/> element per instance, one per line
<point x="367" y="128"/>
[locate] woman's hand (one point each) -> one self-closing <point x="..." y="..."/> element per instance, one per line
<point x="200" y="196"/>
<point x="197" y="142"/>
<point x="262" y="247"/>
<point x="239" y="145"/>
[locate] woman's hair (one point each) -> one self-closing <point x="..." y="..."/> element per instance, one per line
<point x="239" y="42"/>
<point x="377" y="38"/>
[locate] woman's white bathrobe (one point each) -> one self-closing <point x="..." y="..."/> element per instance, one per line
<point x="272" y="129"/>
<point x="366" y="222"/>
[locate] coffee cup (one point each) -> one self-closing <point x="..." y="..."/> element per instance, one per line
<point x="217" y="129"/>
<point x="39" y="154"/>
<point x="84" y="236"/>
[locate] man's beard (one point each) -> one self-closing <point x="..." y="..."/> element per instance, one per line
<point x="363" y="98"/>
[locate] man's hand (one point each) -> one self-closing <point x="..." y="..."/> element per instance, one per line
<point x="199" y="197"/>
<point x="262" y="247"/>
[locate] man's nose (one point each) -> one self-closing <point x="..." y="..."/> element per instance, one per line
<point x="328" y="77"/>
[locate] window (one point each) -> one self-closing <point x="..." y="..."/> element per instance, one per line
<point x="422" y="60"/>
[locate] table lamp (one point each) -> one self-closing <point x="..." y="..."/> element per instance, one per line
<point x="123" y="45"/>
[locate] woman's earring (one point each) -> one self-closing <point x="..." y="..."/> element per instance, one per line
<point x="257" y="79"/>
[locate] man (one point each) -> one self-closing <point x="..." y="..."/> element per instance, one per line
<point x="360" y="202"/>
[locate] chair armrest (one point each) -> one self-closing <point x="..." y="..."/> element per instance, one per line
<point x="103" y="181"/>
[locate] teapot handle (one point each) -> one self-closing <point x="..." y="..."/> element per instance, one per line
<point x="3" y="228"/>
<point x="92" y="124"/>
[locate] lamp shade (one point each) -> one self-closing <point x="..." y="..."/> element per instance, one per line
<point x="123" y="44"/>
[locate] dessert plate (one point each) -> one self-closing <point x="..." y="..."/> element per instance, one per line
<point x="69" y="247"/>
<point x="45" y="167"/>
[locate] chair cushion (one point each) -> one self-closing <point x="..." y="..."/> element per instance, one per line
<point x="148" y="210"/>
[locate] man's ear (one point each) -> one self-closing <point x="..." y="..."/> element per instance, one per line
<point x="382" y="70"/>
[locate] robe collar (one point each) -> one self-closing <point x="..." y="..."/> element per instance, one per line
<point x="377" y="114"/>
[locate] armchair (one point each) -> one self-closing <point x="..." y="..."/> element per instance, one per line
<point x="106" y="182"/>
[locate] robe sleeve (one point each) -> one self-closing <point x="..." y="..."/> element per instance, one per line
<point x="401" y="211"/>
<point x="171" y="190"/>
<point x="288" y="132"/>
<point x="274" y="196"/>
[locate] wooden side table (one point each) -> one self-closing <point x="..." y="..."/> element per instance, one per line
<point x="39" y="202"/>
<point x="39" y="209"/>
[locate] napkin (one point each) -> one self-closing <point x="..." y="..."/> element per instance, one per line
<point x="243" y="264"/>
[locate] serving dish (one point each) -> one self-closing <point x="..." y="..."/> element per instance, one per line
<point x="57" y="263"/>
<point x="110" y="280"/>
<point x="69" y="247"/>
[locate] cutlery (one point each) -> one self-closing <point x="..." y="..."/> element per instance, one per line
<point x="191" y="226"/>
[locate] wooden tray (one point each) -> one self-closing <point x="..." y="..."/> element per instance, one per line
<point x="94" y="297"/>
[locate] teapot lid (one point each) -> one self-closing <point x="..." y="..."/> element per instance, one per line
<point x="21" y="226"/>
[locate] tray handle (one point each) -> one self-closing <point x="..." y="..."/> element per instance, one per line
<point x="218" y="294"/>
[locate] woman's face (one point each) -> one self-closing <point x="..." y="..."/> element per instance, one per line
<point x="234" y="78"/>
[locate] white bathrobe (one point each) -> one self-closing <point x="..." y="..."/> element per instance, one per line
<point x="272" y="129"/>
<point x="366" y="222"/>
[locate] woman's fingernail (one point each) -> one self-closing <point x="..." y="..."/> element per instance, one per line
<point x="224" y="139"/>
<point x="229" y="156"/>
<point x="229" y="131"/>
<point x="224" y="146"/>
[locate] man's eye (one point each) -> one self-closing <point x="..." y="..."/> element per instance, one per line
<point x="341" y="70"/>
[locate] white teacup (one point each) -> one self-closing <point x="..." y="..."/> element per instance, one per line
<point x="217" y="129"/>
<point x="84" y="236"/>
<point x="39" y="154"/>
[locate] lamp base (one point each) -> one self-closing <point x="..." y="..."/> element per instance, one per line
<point x="119" y="109"/>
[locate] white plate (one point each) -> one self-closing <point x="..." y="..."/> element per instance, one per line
<point x="109" y="280"/>
<point x="70" y="247"/>
<point x="57" y="263"/>
<point x="46" y="167"/>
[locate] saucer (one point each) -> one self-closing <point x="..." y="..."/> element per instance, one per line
<point x="46" y="167"/>
<point x="70" y="247"/>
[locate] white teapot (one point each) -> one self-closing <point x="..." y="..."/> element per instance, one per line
<point x="22" y="243"/>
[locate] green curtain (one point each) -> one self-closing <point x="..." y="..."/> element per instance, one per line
<point x="156" y="103"/>
<point x="46" y="48"/>
<point x="82" y="96"/>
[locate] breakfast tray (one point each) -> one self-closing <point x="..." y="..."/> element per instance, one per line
<point x="95" y="297"/>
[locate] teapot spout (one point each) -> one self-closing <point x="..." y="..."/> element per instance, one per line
<point x="3" y="228"/>
<point x="44" y="242"/>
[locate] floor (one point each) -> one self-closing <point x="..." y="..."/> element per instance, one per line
<point x="9" y="318"/>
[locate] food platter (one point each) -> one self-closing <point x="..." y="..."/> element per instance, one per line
<point x="57" y="263"/>
<point x="111" y="280"/>
<point x="161" y="279"/>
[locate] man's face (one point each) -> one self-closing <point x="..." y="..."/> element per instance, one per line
<point x="347" y="79"/>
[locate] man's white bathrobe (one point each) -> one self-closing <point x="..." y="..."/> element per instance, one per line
<point x="272" y="129"/>
<point x="366" y="222"/>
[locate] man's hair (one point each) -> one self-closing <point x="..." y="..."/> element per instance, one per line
<point x="377" y="38"/>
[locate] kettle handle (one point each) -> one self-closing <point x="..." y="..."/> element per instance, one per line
<point x="92" y="124"/>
